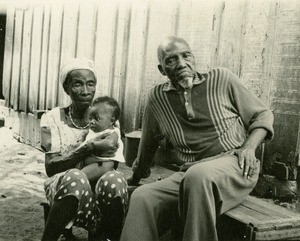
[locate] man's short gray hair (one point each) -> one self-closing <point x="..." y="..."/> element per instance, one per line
<point x="165" y="43"/>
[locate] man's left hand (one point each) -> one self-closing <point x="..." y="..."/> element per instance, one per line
<point x="247" y="160"/>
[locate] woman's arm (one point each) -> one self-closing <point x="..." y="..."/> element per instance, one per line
<point x="105" y="145"/>
<point x="54" y="162"/>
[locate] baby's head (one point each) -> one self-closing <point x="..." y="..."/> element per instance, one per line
<point x="104" y="113"/>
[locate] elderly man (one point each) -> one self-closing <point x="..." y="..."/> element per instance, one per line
<point x="214" y="125"/>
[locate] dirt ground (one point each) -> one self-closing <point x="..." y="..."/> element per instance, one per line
<point x="21" y="191"/>
<point x="22" y="176"/>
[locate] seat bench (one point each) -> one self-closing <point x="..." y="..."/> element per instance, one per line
<point x="257" y="219"/>
<point x="253" y="220"/>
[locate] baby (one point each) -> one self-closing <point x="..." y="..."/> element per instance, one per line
<point x="103" y="115"/>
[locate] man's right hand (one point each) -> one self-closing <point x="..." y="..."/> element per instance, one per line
<point x="134" y="180"/>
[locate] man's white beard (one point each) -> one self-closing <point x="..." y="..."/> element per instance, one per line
<point x="186" y="83"/>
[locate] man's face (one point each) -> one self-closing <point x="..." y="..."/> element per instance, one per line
<point x="178" y="63"/>
<point x="81" y="86"/>
<point x="101" y="117"/>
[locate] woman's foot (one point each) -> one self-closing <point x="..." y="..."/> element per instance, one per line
<point x="68" y="235"/>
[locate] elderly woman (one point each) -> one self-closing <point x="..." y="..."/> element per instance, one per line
<point x="72" y="199"/>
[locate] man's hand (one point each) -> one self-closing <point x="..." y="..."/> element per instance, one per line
<point x="134" y="180"/>
<point x="246" y="154"/>
<point x="247" y="160"/>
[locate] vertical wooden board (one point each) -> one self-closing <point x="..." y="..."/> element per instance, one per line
<point x="8" y="50"/>
<point x="31" y="122"/>
<point x="8" y="119"/>
<point x="16" y="120"/>
<point x="285" y="90"/>
<point x="114" y="84"/>
<point x="69" y="34"/>
<point x="136" y="58"/>
<point x="186" y="18"/>
<point x="25" y="60"/>
<point x="257" y="48"/>
<point x="104" y="45"/>
<point x="23" y="126"/>
<point x="16" y="63"/>
<point x="216" y="26"/>
<point x="35" y="58"/>
<point x="121" y="51"/>
<point x="231" y="35"/>
<point x="37" y="133"/>
<point x="121" y="59"/>
<point x="86" y="29"/>
<point x="44" y="58"/>
<point x="54" y="54"/>
<point x="195" y="25"/>
<point x="159" y="14"/>
<point x="268" y="52"/>
<point x="68" y="42"/>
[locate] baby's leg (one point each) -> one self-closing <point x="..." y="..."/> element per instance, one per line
<point x="96" y="170"/>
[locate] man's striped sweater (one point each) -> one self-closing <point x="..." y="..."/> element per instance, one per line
<point x="214" y="116"/>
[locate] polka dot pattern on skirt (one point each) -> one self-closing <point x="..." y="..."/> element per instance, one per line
<point x="110" y="186"/>
<point x="74" y="182"/>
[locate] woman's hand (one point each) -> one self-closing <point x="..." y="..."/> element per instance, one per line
<point x="107" y="153"/>
<point x="105" y="145"/>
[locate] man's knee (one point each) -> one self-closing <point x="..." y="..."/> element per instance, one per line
<point x="199" y="174"/>
<point x="141" y="195"/>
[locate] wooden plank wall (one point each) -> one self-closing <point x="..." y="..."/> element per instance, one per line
<point x="258" y="40"/>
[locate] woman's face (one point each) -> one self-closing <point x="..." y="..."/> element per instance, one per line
<point x="81" y="87"/>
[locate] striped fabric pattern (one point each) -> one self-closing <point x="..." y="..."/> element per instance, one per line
<point x="216" y="99"/>
<point x="169" y="123"/>
<point x="225" y="120"/>
<point x="224" y="112"/>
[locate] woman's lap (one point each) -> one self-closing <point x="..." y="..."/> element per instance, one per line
<point x="111" y="185"/>
<point x="75" y="183"/>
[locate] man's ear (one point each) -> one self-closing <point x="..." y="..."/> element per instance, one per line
<point x="161" y="70"/>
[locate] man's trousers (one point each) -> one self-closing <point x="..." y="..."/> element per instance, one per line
<point x="199" y="195"/>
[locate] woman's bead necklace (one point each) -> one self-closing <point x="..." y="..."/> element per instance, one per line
<point x="72" y="121"/>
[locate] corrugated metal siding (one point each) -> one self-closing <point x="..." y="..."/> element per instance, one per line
<point x="258" y="40"/>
